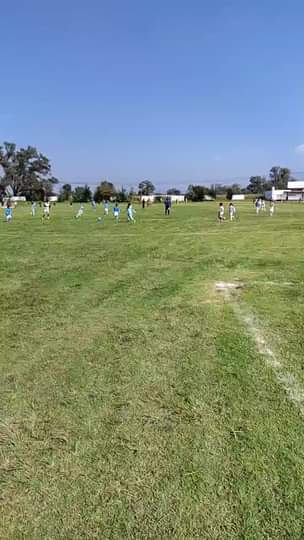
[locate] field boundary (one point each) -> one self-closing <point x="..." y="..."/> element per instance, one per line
<point x="286" y="379"/>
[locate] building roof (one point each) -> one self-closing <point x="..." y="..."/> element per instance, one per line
<point x="296" y="184"/>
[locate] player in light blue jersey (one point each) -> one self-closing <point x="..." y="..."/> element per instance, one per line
<point x="116" y="212"/>
<point x="130" y="213"/>
<point x="8" y="212"/>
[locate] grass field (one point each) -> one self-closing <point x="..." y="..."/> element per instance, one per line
<point x="137" y="401"/>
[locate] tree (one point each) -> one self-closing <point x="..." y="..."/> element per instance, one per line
<point x="196" y="193"/>
<point x="236" y="189"/>
<point x="173" y="191"/>
<point x="190" y="192"/>
<point x="229" y="193"/>
<point x="65" y="192"/>
<point x="47" y="186"/>
<point x="256" y="184"/>
<point x="279" y="177"/>
<point x="221" y="189"/>
<point x="145" y="188"/>
<point x="122" y="195"/>
<point x="26" y="171"/>
<point x="131" y="194"/>
<point x="2" y="193"/>
<point x="104" y="192"/>
<point x="212" y="191"/>
<point x="82" y="194"/>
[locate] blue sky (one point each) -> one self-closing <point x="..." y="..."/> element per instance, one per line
<point x="172" y="91"/>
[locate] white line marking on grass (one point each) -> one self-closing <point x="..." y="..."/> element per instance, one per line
<point x="274" y="283"/>
<point x="226" y="286"/>
<point x="287" y="380"/>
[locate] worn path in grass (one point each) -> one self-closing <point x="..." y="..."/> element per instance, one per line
<point x="134" y="400"/>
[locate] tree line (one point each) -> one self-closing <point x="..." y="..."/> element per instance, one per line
<point x="278" y="178"/>
<point x="27" y="172"/>
<point x="104" y="192"/>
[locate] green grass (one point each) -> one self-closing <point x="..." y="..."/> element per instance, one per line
<point x="134" y="402"/>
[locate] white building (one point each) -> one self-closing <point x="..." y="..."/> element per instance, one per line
<point x="147" y="198"/>
<point x="294" y="192"/>
<point x="238" y="197"/>
<point x="14" y="200"/>
<point x="174" y="198"/>
<point x="275" y="195"/>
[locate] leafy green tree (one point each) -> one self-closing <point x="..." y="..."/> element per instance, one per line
<point x="190" y="192"/>
<point x="47" y="186"/>
<point x="131" y="194"/>
<point x="104" y="192"/>
<point x="82" y="194"/>
<point x="229" y="193"/>
<point x="173" y="191"/>
<point x="146" y="188"/>
<point x="41" y="191"/>
<point x="122" y="195"/>
<point x="196" y="193"/>
<point x="65" y="192"/>
<point x="212" y="191"/>
<point x="26" y="171"/>
<point x="279" y="177"/>
<point x="236" y="189"/>
<point x="256" y="184"/>
<point x="221" y="189"/>
<point x="2" y="192"/>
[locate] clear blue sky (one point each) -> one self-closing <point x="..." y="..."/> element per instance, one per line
<point x="169" y="90"/>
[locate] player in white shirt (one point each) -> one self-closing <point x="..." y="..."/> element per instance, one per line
<point x="221" y="212"/>
<point x="258" y="204"/>
<point x="232" y="211"/>
<point x="106" y="208"/>
<point x="130" y="213"/>
<point x="46" y="210"/>
<point x="33" y="208"/>
<point x="80" y="211"/>
<point x="271" y="209"/>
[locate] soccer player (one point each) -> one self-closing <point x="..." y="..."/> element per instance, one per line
<point x="232" y="211"/>
<point x="167" y="204"/>
<point x="130" y="212"/>
<point x="80" y="211"/>
<point x="271" y="209"/>
<point x="93" y="203"/>
<point x="46" y="210"/>
<point x="116" y="211"/>
<point x="8" y="212"/>
<point x="221" y="212"/>
<point x="33" y="208"/>
<point x="106" y="208"/>
<point x="258" y="204"/>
